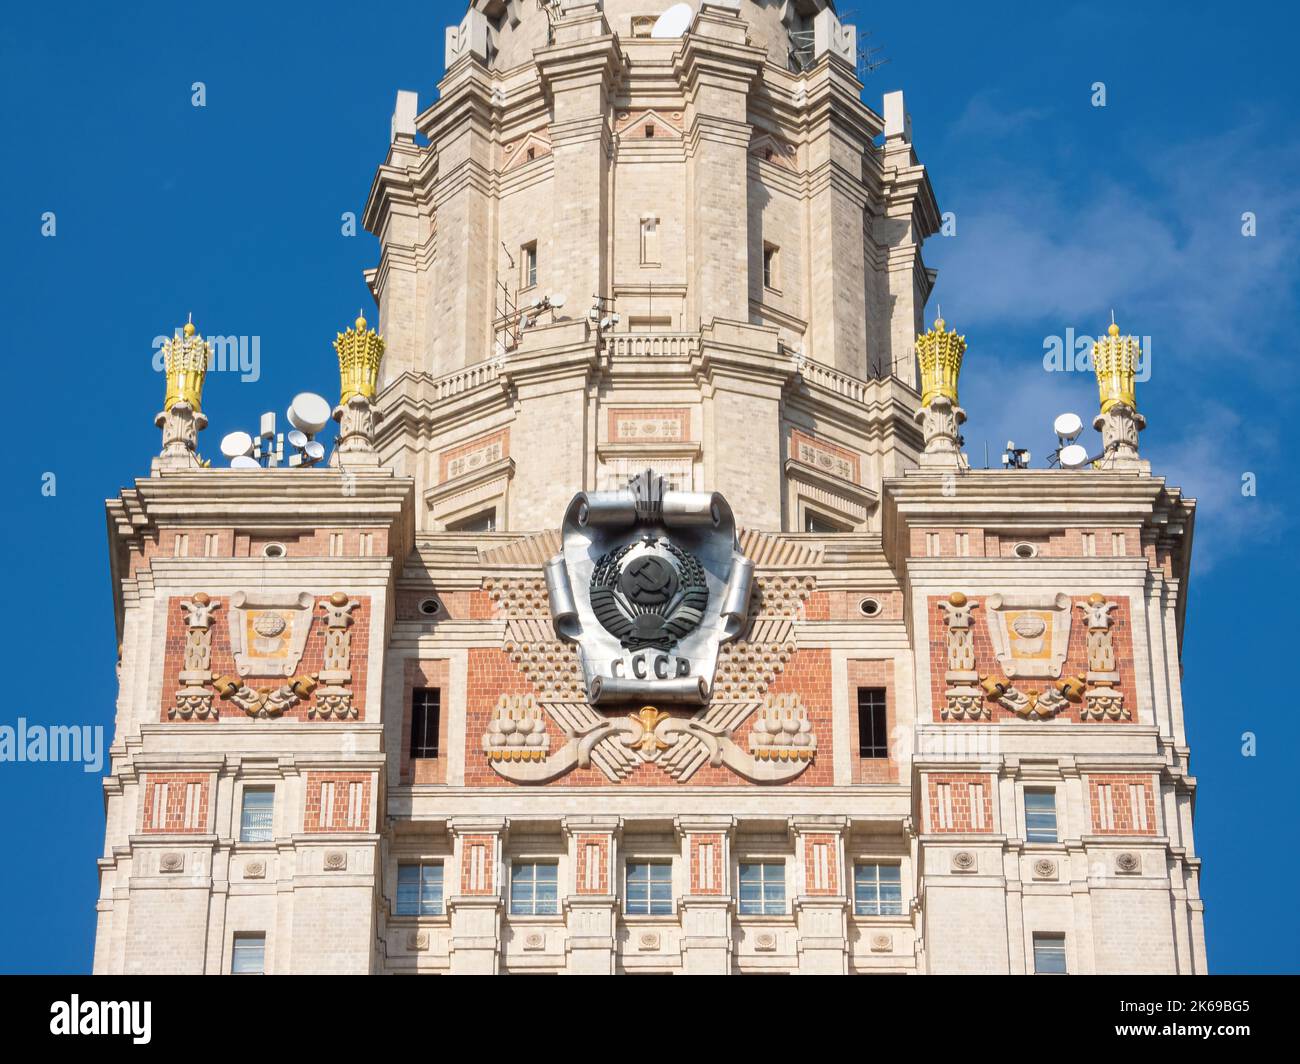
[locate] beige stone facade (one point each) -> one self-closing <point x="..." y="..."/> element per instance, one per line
<point x="602" y="252"/>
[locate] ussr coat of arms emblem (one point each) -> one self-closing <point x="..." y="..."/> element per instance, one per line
<point x="649" y="584"/>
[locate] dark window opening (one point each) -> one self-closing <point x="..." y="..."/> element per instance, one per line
<point x="426" y="711"/>
<point x="873" y="737"/>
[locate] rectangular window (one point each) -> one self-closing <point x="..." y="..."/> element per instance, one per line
<point x="1040" y="816"/>
<point x="419" y="889"/>
<point x="1049" y="954"/>
<point x="649" y="240"/>
<point x="249" y="954"/>
<point x="770" y="262"/>
<point x="649" y="888"/>
<point x="534" y="889"/>
<point x="528" y="265"/>
<point x="877" y="890"/>
<point x="762" y="888"/>
<point x="255" y="816"/>
<point x="824" y="526"/>
<point x="873" y="738"/>
<point x="483" y="521"/>
<point x="426" y="713"/>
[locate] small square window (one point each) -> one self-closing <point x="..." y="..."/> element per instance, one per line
<point x="649" y="888"/>
<point x="534" y="889"/>
<point x="248" y="957"/>
<point x="419" y="889"/>
<point x="762" y="888"/>
<point x="873" y="737"/>
<point x="1040" y="816"/>
<point x="1049" y="954"/>
<point x="877" y="890"/>
<point x="426" y="716"/>
<point x="255" y="816"/>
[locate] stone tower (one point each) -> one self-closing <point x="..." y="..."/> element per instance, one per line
<point x="648" y="616"/>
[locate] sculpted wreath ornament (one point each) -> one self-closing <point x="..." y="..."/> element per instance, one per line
<point x="652" y="600"/>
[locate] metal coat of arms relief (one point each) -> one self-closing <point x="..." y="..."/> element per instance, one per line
<point x="649" y="607"/>
<point x="649" y="585"/>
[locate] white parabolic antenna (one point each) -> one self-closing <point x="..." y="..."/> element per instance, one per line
<point x="297" y="439"/>
<point x="315" y="450"/>
<point x="1068" y="426"/>
<point x="673" y="22"/>
<point x="1073" y="456"/>
<point x="557" y="301"/>
<point x="309" y="413"/>
<point x="244" y="462"/>
<point x="236" y="444"/>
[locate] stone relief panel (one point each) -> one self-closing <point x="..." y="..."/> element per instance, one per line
<point x="1051" y="657"/>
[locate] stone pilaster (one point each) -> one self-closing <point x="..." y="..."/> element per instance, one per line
<point x="821" y="905"/>
<point x="591" y="902"/>
<point x="476" y="906"/>
<point x="708" y="904"/>
<point x="716" y="70"/>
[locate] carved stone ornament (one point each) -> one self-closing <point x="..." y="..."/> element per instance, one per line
<point x="649" y="584"/>
<point x="534" y="940"/>
<point x="268" y="632"/>
<point x="765" y="942"/>
<point x="255" y="870"/>
<point x="1103" y="700"/>
<point x="882" y="942"/>
<point x="963" y="699"/>
<point x="1044" y="868"/>
<point x="172" y="861"/>
<point x="964" y="861"/>
<point x="1128" y="863"/>
<point x="1030" y="634"/>
<point x="333" y="699"/>
<point x="417" y="941"/>
<point x="336" y="860"/>
<point x="193" y="699"/>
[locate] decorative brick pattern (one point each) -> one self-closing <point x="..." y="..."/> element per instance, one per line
<point x="593" y="864"/>
<point x="478" y="864"/>
<point x="1066" y="543"/>
<point x="960" y="803"/>
<point x="474" y="454"/>
<point x="176" y="802"/>
<point x="337" y="801"/>
<point x="821" y="864"/>
<point x="1076" y="659"/>
<point x="706" y="856"/>
<point x="223" y="660"/>
<point x="1122" y="804"/>
<point x="829" y="458"/>
<point x="649" y="424"/>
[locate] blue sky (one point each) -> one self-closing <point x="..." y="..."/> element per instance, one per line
<point x="1063" y="210"/>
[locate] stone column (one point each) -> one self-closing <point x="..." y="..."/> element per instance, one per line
<point x="475" y="908"/>
<point x="821" y="907"/>
<point x="708" y="904"/>
<point x="716" y="68"/>
<point x="578" y="72"/>
<point x="591" y="904"/>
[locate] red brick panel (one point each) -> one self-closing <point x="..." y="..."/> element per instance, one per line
<point x="960" y="803"/>
<point x="821" y="864"/>
<point x="593" y="864"/>
<point x="1076" y="659"/>
<point x="337" y="801"/>
<point x="478" y="864"/>
<point x="872" y="674"/>
<point x="1122" y="804"/>
<point x="425" y="674"/>
<point x="706" y="852"/>
<point x="223" y="660"/>
<point x="176" y="802"/>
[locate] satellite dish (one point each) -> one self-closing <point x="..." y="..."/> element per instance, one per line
<point x="297" y="439"/>
<point x="1068" y="427"/>
<point x="673" y="22"/>
<point x="242" y="461"/>
<point x="309" y="413"/>
<point x="315" y="450"/>
<point x="1075" y="455"/>
<point x="236" y="444"/>
<point x="557" y="302"/>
